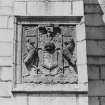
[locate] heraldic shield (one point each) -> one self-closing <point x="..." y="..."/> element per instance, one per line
<point x="49" y="54"/>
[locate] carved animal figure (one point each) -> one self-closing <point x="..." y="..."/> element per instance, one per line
<point x="68" y="53"/>
<point x="31" y="57"/>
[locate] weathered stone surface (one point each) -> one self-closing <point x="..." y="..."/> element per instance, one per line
<point x="6" y="61"/>
<point x="94" y="20"/>
<point x="6" y="35"/>
<point x="96" y="48"/>
<point x="20" y="99"/>
<point x="82" y="74"/>
<point x="96" y="60"/>
<point x="6" y="10"/>
<point x="81" y="52"/>
<point x="93" y="8"/>
<point x="96" y="88"/>
<point x="80" y="32"/>
<point x="52" y="99"/>
<point x="93" y="101"/>
<point x="94" y="1"/>
<point x="6" y="49"/>
<point x="3" y="21"/>
<point x="20" y="8"/>
<point x="6" y="101"/>
<point x="78" y="9"/>
<point x="102" y="99"/>
<point x="102" y="72"/>
<point x="10" y="24"/>
<point x="5" y="89"/>
<point x="49" y="9"/>
<point x="6" y="73"/>
<point x="83" y="100"/>
<point x="102" y="6"/>
<point x="6" y="2"/>
<point x="95" y="32"/>
<point x="93" y="72"/>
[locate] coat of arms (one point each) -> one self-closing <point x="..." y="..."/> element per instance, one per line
<point x="49" y="54"/>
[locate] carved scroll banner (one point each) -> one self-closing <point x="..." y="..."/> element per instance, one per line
<point x="49" y="54"/>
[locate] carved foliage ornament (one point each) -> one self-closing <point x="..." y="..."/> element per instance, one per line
<point x="48" y="54"/>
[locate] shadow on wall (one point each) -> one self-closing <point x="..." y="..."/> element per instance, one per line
<point x="95" y="31"/>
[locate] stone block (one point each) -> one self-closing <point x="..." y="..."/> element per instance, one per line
<point x="20" y="99"/>
<point x="95" y="32"/>
<point x="93" y="72"/>
<point x="4" y="10"/>
<point x="6" y="2"/>
<point x="96" y="88"/>
<point x="49" y="9"/>
<point x="93" y="101"/>
<point x="77" y="8"/>
<point x="81" y="52"/>
<point x="6" y="101"/>
<point x="96" y="60"/>
<point x="6" y="35"/>
<point x="10" y="24"/>
<point x="94" y="20"/>
<point x="102" y="6"/>
<point x="103" y="72"/>
<point x="45" y="0"/>
<point x="52" y="99"/>
<point x="80" y="32"/>
<point x="102" y="100"/>
<point x="96" y="48"/>
<point x="94" y="1"/>
<point x="83" y="99"/>
<point x="6" y="49"/>
<point x="93" y="8"/>
<point x="6" y="73"/>
<point x="5" y="89"/>
<point x="82" y="73"/>
<point x="6" y="61"/>
<point x="20" y="8"/>
<point x="3" y="21"/>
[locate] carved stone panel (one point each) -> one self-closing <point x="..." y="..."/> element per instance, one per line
<point x="49" y="54"/>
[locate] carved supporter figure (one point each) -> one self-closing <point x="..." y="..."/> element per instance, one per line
<point x="31" y="57"/>
<point x="68" y="53"/>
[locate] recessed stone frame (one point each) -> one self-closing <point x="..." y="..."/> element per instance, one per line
<point x="20" y="86"/>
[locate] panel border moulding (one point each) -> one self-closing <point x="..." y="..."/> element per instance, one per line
<point x="80" y="87"/>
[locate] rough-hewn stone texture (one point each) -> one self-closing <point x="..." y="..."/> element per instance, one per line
<point x="95" y="33"/>
<point x="95" y="48"/>
<point x="94" y="20"/>
<point x="102" y="68"/>
<point x="102" y="100"/>
<point x="93" y="101"/>
<point x="93" y="8"/>
<point x="96" y="88"/>
<point x="93" y="72"/>
<point x="11" y="8"/>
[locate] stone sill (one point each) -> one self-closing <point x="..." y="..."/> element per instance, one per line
<point x="58" y="88"/>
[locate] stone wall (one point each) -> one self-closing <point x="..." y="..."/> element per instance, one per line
<point x="95" y="36"/>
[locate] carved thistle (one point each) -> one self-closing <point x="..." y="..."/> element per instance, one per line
<point x="49" y="54"/>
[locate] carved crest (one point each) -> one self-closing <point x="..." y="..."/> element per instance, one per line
<point x="48" y="54"/>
